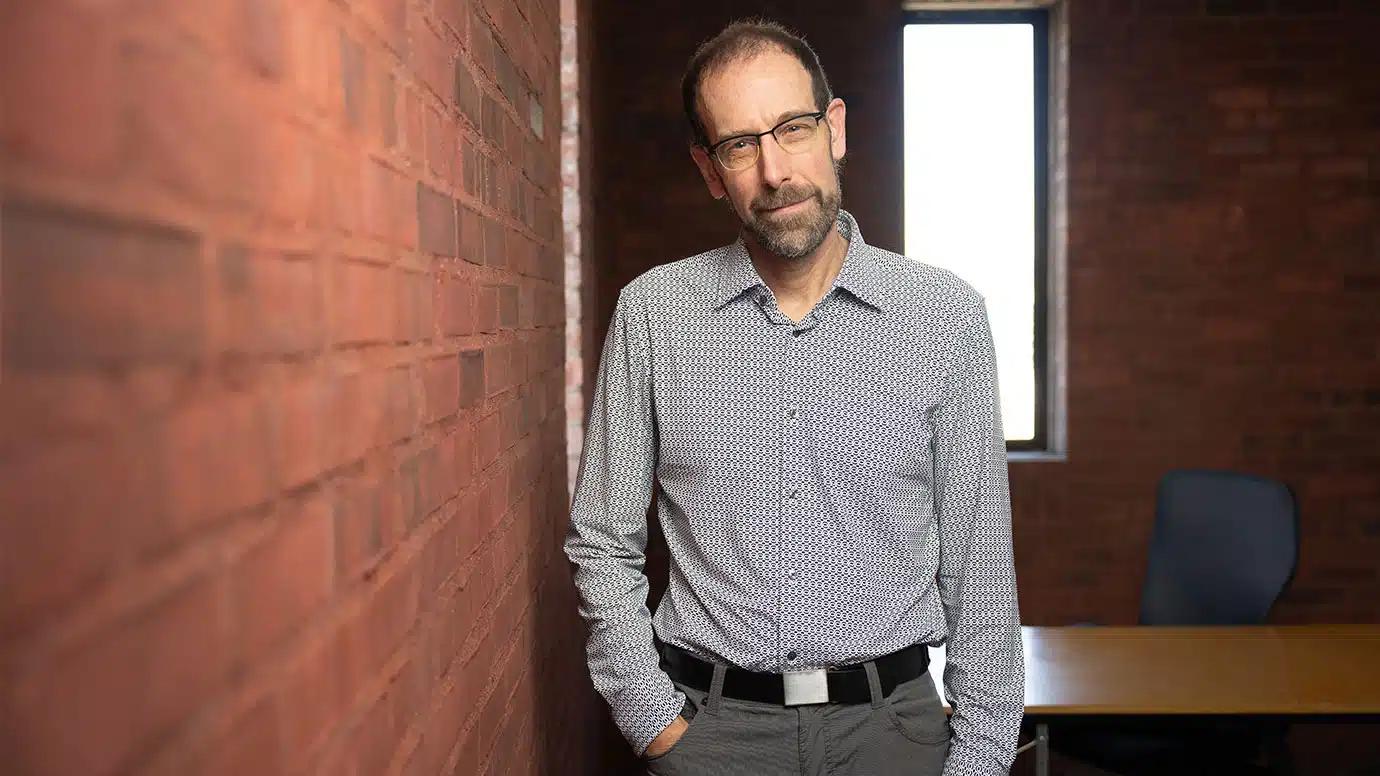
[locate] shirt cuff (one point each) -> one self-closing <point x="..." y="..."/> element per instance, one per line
<point x="967" y="761"/>
<point x="641" y="723"/>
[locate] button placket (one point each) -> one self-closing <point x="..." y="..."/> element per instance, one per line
<point x="793" y="473"/>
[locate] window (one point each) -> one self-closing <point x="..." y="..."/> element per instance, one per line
<point x="976" y="99"/>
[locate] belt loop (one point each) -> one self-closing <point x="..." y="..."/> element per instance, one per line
<point x="716" y="689"/>
<point x="874" y="683"/>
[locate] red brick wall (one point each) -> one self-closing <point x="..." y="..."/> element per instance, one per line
<point x="282" y="466"/>
<point x="1224" y="243"/>
<point x="1223" y="251"/>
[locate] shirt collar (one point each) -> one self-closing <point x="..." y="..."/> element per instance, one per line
<point x="860" y="274"/>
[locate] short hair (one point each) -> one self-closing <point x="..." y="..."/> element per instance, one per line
<point x="740" y="40"/>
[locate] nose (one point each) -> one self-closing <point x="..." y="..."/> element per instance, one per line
<point x="771" y="158"/>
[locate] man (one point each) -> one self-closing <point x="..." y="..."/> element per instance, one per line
<point x="821" y="417"/>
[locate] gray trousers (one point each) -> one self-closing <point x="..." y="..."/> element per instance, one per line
<point x="903" y="734"/>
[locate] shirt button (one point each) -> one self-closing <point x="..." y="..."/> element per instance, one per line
<point x="792" y="655"/>
<point x="794" y="494"/>
<point x="793" y="573"/>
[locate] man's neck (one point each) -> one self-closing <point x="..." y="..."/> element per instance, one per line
<point x="800" y="283"/>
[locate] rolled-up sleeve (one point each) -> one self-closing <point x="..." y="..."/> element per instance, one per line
<point x="607" y="537"/>
<point x="984" y="677"/>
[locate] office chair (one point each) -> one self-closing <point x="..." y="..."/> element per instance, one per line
<point x="1224" y="547"/>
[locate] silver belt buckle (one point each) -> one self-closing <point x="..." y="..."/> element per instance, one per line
<point x="804" y="687"/>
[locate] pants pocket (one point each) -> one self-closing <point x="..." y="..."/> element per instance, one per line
<point x="695" y="720"/>
<point x="916" y="712"/>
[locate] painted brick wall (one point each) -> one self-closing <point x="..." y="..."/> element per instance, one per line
<point x="1224" y="260"/>
<point x="282" y="458"/>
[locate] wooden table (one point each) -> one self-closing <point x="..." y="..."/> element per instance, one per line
<point x="1285" y="670"/>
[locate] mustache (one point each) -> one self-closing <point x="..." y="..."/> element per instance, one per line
<point x="783" y="197"/>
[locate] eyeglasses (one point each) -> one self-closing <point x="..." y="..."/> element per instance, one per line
<point x="793" y="135"/>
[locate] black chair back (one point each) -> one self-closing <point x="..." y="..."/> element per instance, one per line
<point x="1224" y="546"/>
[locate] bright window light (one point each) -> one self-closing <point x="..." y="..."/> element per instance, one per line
<point x="970" y="182"/>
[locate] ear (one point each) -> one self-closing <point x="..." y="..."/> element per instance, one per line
<point x="835" y="114"/>
<point x="709" y="171"/>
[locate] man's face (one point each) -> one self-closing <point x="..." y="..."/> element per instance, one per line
<point x="787" y="201"/>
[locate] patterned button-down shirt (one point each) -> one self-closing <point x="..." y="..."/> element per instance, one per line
<point x="830" y="490"/>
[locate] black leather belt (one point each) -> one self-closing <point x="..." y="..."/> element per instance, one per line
<point x="840" y="684"/>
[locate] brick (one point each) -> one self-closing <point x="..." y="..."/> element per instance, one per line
<point x="454" y="14"/>
<point x="508" y="306"/>
<point x="390" y="609"/>
<point x="1341" y="167"/>
<point x="536" y="119"/>
<point x="1241" y="97"/>
<point x="359" y="414"/>
<point x="388" y="110"/>
<point x="285" y="577"/>
<point x="389" y="18"/>
<point x="446" y="485"/>
<point x="358" y="512"/>
<point x="472" y="226"/>
<point x="495" y="244"/>
<point x="262" y="24"/>
<point x="435" y="221"/>
<point x="191" y="129"/>
<point x="486" y="309"/>
<point x="466" y="93"/>
<point x="1236" y="7"/>
<point x="313" y="55"/>
<point x="252" y="745"/>
<point x="509" y="82"/>
<point x="442" y="388"/>
<point x="492" y="122"/>
<point x="457" y="306"/>
<point x="413" y="135"/>
<point x="1307" y="6"/>
<point x="286" y="187"/>
<point x="501" y="368"/>
<point x="85" y="291"/>
<point x="267" y="304"/>
<point x="481" y="44"/>
<point x="340" y="197"/>
<point x="489" y="185"/>
<point x="380" y="187"/>
<point x="120" y="690"/>
<point x="404" y="414"/>
<point x="363" y="300"/>
<point x="216" y="459"/>
<point x="61" y="76"/>
<point x="415" y="316"/>
<point x="489" y="440"/>
<point x="469" y="166"/>
<point x="465" y="470"/>
<point x="352" y="82"/>
<point x="70" y="536"/>
<point x="471" y="377"/>
<point x="440" y="146"/>
<point x="433" y="56"/>
<point x="301" y="433"/>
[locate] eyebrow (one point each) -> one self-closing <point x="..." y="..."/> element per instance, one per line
<point x="780" y="117"/>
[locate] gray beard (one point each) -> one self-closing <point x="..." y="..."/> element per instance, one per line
<point x="798" y="238"/>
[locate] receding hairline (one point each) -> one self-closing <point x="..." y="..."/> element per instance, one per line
<point x="740" y="41"/>
<point x="760" y="47"/>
